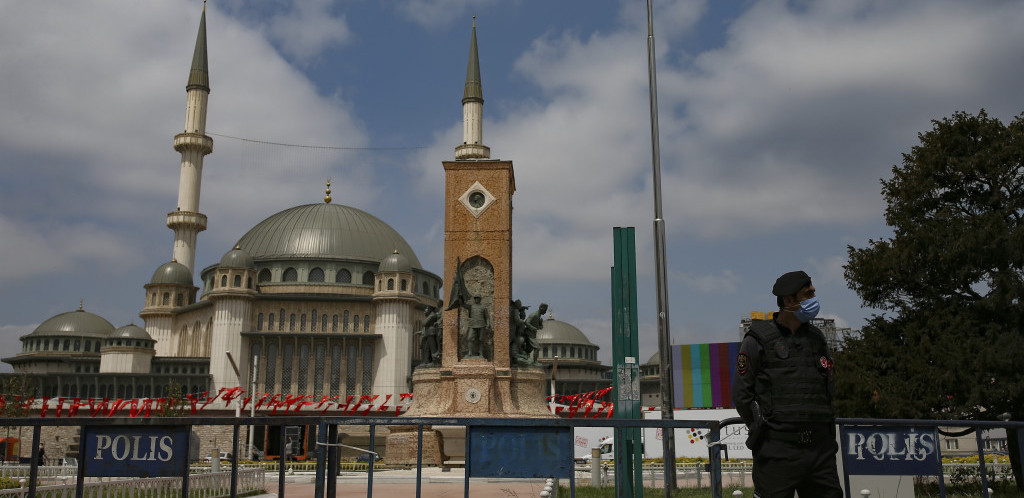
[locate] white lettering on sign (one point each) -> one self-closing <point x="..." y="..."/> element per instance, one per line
<point x="134" y="448"/>
<point x="891" y="446"/>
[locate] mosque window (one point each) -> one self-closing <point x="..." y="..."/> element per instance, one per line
<point x="248" y="282"/>
<point x="344" y="322"/>
<point x="167" y="299"/>
<point x="391" y="284"/>
<point x="290" y="275"/>
<point x="259" y="322"/>
<point x="563" y="352"/>
<point x="179" y="300"/>
<point x="264" y="276"/>
<point x="270" y="375"/>
<point x="426" y="288"/>
<point x="270" y="322"/>
<point x="335" y="369"/>
<point x="404" y="284"/>
<point x="545" y="352"/>
<point x="303" y="367"/>
<point x="350" y="371"/>
<point x="343" y="276"/>
<point x="286" y="368"/>
<point x="238" y="281"/>
<point x="302" y="323"/>
<point x="368" y="278"/>
<point x="323" y="324"/>
<point x="380" y="285"/>
<point x="291" y="323"/>
<point x="367" y="369"/>
<point x="316" y="275"/>
<point x="280" y="324"/>
<point x="355" y="323"/>
<point x="67" y="344"/>
<point x="318" y="370"/>
<point x="366" y="323"/>
<point x="312" y="323"/>
<point x="152" y="300"/>
<point x="223" y="280"/>
<point x="334" y="323"/>
<point x="46" y="345"/>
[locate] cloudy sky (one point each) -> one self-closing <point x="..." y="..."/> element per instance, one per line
<point x="777" y="121"/>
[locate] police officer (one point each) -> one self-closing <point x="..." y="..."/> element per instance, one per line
<point x="783" y="391"/>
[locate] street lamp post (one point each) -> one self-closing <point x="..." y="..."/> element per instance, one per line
<point x="554" y="372"/>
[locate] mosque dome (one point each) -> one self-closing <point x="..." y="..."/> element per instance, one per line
<point x="559" y="332"/>
<point x="237" y="258"/>
<point x="74" y="324"/>
<point x="131" y="331"/>
<point x="395" y="261"/>
<point x="173" y="273"/>
<point x="325" y="231"/>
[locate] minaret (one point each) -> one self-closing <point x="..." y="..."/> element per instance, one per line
<point x="473" y="109"/>
<point x="193" y="144"/>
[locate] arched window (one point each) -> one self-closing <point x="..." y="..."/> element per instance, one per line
<point x="391" y="284"/>
<point x="302" y="323"/>
<point x="343" y="276"/>
<point x="323" y="327"/>
<point x="238" y="280"/>
<point x="259" y="322"/>
<point x="380" y="285"/>
<point x="167" y="299"/>
<point x="315" y="275"/>
<point x="334" y="323"/>
<point x="404" y="284"/>
<point x="426" y="288"/>
<point x="223" y="280"/>
<point x="264" y="276"/>
<point x="350" y="371"/>
<point x="152" y="302"/>
<point x="303" y="368"/>
<point x="366" y="323"/>
<point x="344" y="322"/>
<point x="355" y="323"/>
<point x="312" y="323"/>
<point x="248" y="282"/>
<point x="290" y="275"/>
<point x="291" y="323"/>
<point x="367" y="369"/>
<point x="270" y="322"/>
<point x="179" y="300"/>
<point x="281" y="323"/>
<point x="335" y="369"/>
<point x="368" y="278"/>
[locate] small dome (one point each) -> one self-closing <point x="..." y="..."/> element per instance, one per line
<point x="173" y="273"/>
<point x="131" y="331"/>
<point x="74" y="323"/>
<point x="237" y="258"/>
<point x="395" y="262"/>
<point x="559" y="332"/>
<point x="655" y="360"/>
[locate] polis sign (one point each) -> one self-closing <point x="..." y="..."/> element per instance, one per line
<point x="890" y="450"/>
<point x="136" y="451"/>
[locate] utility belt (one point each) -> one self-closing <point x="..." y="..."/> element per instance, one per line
<point x="813" y="436"/>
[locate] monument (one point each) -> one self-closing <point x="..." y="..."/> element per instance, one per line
<point x="478" y="375"/>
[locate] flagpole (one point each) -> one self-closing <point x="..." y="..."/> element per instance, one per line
<point x="667" y="402"/>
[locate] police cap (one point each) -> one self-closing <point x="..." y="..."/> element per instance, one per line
<point x="791" y="283"/>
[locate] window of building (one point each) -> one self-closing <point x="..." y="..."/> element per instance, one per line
<point x="290" y="275"/>
<point x="335" y="369"/>
<point x="563" y="352"/>
<point x="238" y="280"/>
<point x="368" y="278"/>
<point x="259" y="322"/>
<point x="313" y="319"/>
<point x="350" y="371"/>
<point x="316" y="275"/>
<point x="355" y="323"/>
<point x="270" y="377"/>
<point x="270" y="322"/>
<point x="248" y="282"/>
<point x="343" y="276"/>
<point x="223" y="280"/>
<point x="404" y="284"/>
<point x="344" y="322"/>
<point x="367" y="369"/>
<point x="303" y="367"/>
<point x="366" y="323"/>
<point x="426" y="289"/>
<point x="544" y="352"/>
<point x="280" y="324"/>
<point x="302" y="322"/>
<point x="391" y="284"/>
<point x="286" y="368"/>
<point x="67" y="344"/>
<point x="952" y="444"/>
<point x="167" y="299"/>
<point x="334" y="323"/>
<point x="291" y="323"/>
<point x="318" y="370"/>
<point x="152" y="301"/>
<point x="264" y="276"/>
<point x="323" y="324"/>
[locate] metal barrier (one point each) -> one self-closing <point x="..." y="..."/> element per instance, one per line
<point x="328" y="465"/>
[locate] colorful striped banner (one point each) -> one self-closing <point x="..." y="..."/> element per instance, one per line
<point x="702" y="374"/>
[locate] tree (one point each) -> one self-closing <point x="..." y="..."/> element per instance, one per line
<point x="949" y="281"/>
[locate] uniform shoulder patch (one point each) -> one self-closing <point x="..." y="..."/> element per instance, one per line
<point x="741" y="363"/>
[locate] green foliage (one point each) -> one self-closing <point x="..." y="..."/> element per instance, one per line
<point x="949" y="279"/>
<point x="8" y="483"/>
<point x="17" y="394"/>
<point x="175" y="402"/>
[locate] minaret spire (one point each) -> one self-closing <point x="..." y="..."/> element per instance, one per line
<point x="473" y="108"/>
<point x="193" y="144"/>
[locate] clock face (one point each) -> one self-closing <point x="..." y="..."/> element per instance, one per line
<point x="472" y="395"/>
<point x="477" y="199"/>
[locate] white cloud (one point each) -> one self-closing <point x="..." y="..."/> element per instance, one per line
<point x="51" y="248"/>
<point x="10" y="343"/>
<point x="439" y="14"/>
<point x="308" y="28"/>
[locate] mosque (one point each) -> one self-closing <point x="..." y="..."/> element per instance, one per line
<point x="319" y="299"/>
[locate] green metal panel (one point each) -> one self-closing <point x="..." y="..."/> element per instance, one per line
<point x="625" y="352"/>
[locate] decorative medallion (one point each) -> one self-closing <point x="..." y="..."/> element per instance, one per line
<point x="477" y="199"/>
<point x="741" y="363"/>
<point x="472" y="395"/>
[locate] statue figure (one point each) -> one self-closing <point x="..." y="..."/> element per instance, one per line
<point x="479" y="322"/>
<point x="522" y="336"/>
<point x="534" y="323"/>
<point x="430" y="342"/>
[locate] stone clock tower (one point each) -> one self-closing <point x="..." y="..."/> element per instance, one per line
<point x="475" y="377"/>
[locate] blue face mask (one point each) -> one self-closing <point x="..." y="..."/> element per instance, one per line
<point x="809" y="308"/>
